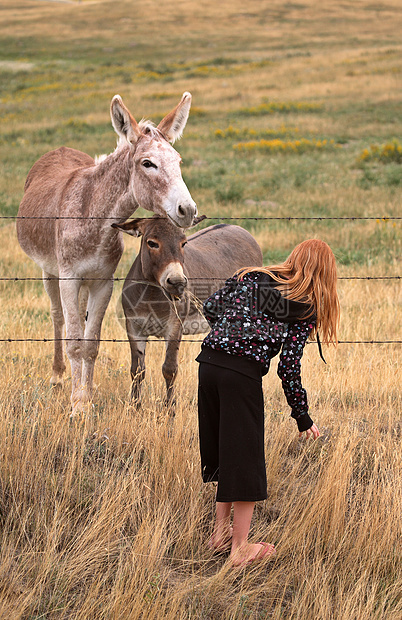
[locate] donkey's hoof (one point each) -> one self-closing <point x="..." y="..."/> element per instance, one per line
<point x="56" y="386"/>
<point x="82" y="411"/>
<point x="170" y="405"/>
<point x="56" y="382"/>
<point x="134" y="399"/>
<point x="81" y="406"/>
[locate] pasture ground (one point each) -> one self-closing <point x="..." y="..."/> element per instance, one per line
<point x="296" y="113"/>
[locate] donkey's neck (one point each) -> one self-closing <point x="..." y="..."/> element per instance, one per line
<point x="112" y="197"/>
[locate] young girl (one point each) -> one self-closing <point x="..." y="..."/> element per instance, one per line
<point x="257" y="314"/>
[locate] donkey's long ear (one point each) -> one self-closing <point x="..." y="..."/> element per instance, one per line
<point x="172" y="126"/>
<point x="123" y="122"/>
<point x="131" y="227"/>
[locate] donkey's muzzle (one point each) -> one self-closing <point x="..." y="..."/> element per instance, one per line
<point x="175" y="286"/>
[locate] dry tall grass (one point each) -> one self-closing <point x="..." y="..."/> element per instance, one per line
<point x="105" y="517"/>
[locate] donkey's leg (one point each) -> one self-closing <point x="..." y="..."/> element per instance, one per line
<point x="99" y="297"/>
<point x="51" y="284"/>
<point x="69" y="291"/>
<point x="171" y="364"/>
<point x="83" y="304"/>
<point x="138" y="345"/>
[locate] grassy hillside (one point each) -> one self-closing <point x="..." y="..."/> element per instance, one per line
<point x="296" y="114"/>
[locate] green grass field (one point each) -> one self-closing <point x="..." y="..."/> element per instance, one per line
<point x="296" y="114"/>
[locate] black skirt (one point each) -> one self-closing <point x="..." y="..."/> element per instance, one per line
<point x="231" y="429"/>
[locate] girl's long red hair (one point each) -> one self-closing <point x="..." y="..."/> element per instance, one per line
<point x="309" y="275"/>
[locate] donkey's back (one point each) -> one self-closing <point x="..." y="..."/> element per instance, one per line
<point x="210" y="257"/>
<point x="219" y="250"/>
<point x="57" y="165"/>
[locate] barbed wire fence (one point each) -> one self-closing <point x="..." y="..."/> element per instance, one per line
<point x="377" y="219"/>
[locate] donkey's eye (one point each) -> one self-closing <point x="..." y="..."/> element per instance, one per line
<point x="149" y="164"/>
<point x="152" y="244"/>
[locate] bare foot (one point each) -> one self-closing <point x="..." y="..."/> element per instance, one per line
<point x="221" y="541"/>
<point x="249" y="553"/>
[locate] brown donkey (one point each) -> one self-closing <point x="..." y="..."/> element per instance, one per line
<point x="64" y="225"/>
<point x="169" y="279"/>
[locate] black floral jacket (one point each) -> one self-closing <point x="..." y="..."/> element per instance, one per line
<point x="251" y="318"/>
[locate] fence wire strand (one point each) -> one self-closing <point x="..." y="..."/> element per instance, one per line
<point x="118" y="340"/>
<point x="118" y="279"/>
<point x="382" y="218"/>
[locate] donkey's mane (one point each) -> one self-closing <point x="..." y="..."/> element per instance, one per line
<point x="146" y="126"/>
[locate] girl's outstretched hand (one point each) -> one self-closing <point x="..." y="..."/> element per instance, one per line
<point x="313" y="430"/>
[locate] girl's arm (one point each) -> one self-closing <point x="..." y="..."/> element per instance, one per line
<point x="289" y="368"/>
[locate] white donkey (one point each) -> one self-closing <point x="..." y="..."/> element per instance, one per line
<point x="64" y="225"/>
